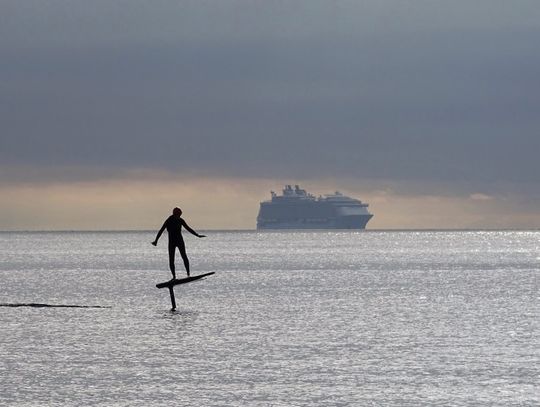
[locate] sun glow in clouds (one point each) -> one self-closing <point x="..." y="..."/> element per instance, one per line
<point x="141" y="199"/>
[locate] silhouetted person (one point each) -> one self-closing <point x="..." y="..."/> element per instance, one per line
<point x="174" y="224"/>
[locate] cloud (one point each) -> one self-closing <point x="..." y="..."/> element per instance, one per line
<point x="346" y="109"/>
<point x="480" y="197"/>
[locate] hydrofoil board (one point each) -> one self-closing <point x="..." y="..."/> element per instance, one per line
<point x="173" y="282"/>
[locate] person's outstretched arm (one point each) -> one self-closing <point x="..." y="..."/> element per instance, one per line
<point x="159" y="233"/>
<point x="190" y="230"/>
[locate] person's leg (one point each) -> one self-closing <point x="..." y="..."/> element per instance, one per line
<point x="182" y="248"/>
<point x="172" y="249"/>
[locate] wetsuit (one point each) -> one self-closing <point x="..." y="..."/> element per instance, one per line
<point x="174" y="224"/>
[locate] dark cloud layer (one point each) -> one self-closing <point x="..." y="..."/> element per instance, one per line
<point x="415" y="101"/>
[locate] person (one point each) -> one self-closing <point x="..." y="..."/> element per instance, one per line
<point x="174" y="224"/>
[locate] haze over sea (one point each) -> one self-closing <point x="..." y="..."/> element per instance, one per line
<point x="394" y="318"/>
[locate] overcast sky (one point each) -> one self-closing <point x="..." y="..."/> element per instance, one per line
<point x="396" y="100"/>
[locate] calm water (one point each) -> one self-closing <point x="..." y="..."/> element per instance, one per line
<point x="289" y="319"/>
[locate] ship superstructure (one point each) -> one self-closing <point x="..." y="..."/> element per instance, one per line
<point x="297" y="209"/>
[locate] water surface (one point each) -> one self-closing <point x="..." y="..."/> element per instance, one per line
<point x="289" y="319"/>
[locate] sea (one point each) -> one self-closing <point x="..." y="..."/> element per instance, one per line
<point x="316" y="318"/>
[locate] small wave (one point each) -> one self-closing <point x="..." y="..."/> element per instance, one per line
<point x="36" y="305"/>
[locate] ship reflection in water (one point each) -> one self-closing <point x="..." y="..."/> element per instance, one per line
<point x="296" y="209"/>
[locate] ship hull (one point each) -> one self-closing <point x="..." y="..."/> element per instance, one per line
<point x="348" y="222"/>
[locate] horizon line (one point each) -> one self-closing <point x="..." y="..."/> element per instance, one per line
<point x="483" y="229"/>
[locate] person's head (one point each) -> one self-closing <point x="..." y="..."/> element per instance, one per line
<point x="177" y="212"/>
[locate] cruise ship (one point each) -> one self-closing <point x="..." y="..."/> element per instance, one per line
<point x="297" y="209"/>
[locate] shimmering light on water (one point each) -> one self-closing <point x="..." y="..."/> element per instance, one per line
<point x="289" y="319"/>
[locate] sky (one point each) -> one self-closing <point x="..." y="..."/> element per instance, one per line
<point x="113" y="112"/>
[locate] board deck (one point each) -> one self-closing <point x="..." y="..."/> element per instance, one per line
<point x="172" y="283"/>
